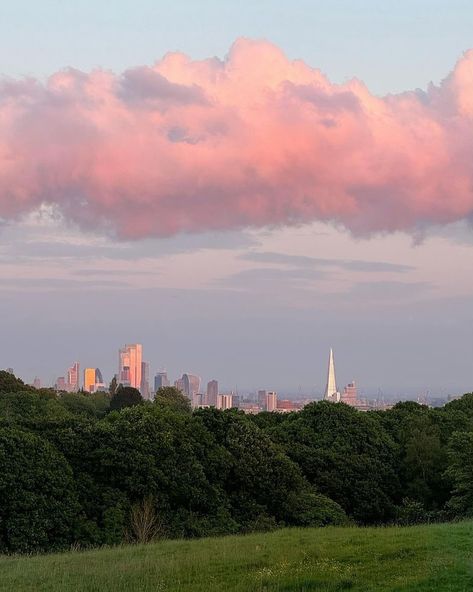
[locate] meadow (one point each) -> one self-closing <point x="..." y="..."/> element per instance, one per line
<point x="427" y="558"/>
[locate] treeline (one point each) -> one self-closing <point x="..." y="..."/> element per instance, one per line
<point x="98" y="469"/>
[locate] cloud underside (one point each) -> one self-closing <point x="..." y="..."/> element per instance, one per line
<point x="250" y="141"/>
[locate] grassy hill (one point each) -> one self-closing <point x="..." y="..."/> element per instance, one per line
<point x="425" y="558"/>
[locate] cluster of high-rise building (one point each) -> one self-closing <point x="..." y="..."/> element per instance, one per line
<point x="133" y="371"/>
<point x="71" y="382"/>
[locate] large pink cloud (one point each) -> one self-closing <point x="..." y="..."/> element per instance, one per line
<point x="253" y="140"/>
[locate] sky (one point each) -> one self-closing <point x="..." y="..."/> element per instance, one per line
<point x="239" y="187"/>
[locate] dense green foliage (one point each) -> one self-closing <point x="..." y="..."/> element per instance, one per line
<point x="424" y="558"/>
<point x="37" y="493"/>
<point x="170" y="397"/>
<point x="94" y="469"/>
<point x="125" y="396"/>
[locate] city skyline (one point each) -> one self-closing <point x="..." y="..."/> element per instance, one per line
<point x="193" y="386"/>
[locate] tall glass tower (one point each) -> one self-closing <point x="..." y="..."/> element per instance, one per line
<point x="331" y="393"/>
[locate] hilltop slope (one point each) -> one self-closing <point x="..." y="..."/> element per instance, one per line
<point x="423" y="558"/>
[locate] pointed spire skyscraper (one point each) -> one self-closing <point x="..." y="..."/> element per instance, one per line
<point x="331" y="393"/>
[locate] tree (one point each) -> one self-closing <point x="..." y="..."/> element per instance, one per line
<point x="460" y="471"/>
<point x="25" y="408"/>
<point x="171" y="397"/>
<point x="38" y="504"/>
<point x="147" y="452"/>
<point x="9" y="383"/>
<point x="346" y="455"/>
<point x="112" y="389"/>
<point x="125" y="396"/>
<point x="85" y="404"/>
<point x="145" y="524"/>
<point x="259" y="479"/>
<point x="422" y="435"/>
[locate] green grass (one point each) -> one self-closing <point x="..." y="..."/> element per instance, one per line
<point x="433" y="558"/>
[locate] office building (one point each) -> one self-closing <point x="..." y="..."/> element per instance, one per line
<point x="161" y="380"/>
<point x="331" y="393"/>
<point x="60" y="384"/>
<point x="261" y="399"/>
<point x="73" y="377"/>
<point x="191" y="385"/>
<point x="287" y="406"/>
<point x="93" y="380"/>
<point x="89" y="379"/>
<point x="179" y="384"/>
<point x="212" y="393"/>
<point x="129" y="365"/>
<point x="350" y="394"/>
<point x="225" y="401"/>
<point x="199" y="400"/>
<point x="144" y="386"/>
<point x="271" y="401"/>
<point x="100" y="385"/>
<point x="37" y="383"/>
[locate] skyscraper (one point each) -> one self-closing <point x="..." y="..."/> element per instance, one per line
<point x="331" y="393"/>
<point x="89" y="379"/>
<point x="144" y="387"/>
<point x="262" y="398"/>
<point x="99" y="383"/>
<point x="129" y="365"/>
<point x="161" y="380"/>
<point x="179" y="384"/>
<point x="191" y="385"/>
<point x="271" y="401"/>
<point x="60" y="384"/>
<point x="93" y="380"/>
<point x="73" y="378"/>
<point x="212" y="393"/>
<point x="98" y="376"/>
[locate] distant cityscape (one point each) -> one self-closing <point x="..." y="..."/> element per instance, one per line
<point x="134" y="372"/>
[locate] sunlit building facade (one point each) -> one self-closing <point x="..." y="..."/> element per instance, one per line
<point x="73" y="378"/>
<point x="130" y="359"/>
<point x="331" y="393"/>
<point x="271" y="401"/>
<point x="89" y="379"/>
<point x="225" y="401"/>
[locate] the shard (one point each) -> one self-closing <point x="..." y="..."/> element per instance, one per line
<point x="331" y="393"/>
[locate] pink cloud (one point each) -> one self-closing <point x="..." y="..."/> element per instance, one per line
<point x="253" y="140"/>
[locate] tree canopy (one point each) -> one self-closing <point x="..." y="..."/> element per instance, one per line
<point x="94" y="469"/>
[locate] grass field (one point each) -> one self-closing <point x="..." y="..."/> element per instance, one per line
<point x="425" y="558"/>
